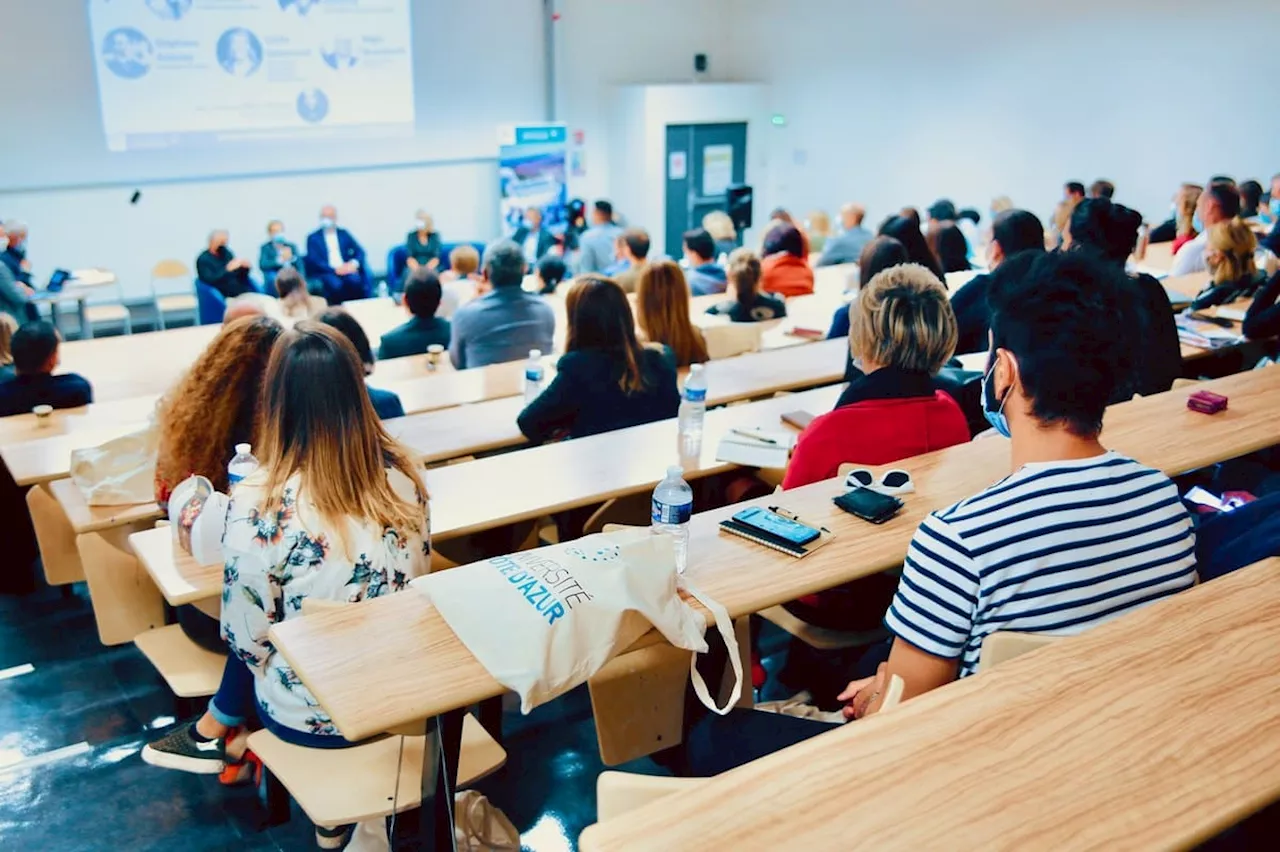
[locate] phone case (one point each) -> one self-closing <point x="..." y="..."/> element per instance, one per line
<point x="747" y="523"/>
<point x="869" y="505"/>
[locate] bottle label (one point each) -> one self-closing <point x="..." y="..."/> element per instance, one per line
<point x="233" y="478"/>
<point x="695" y="394"/>
<point x="672" y="513"/>
<point x="533" y="374"/>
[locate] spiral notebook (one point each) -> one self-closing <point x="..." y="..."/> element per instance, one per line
<point x="799" y="551"/>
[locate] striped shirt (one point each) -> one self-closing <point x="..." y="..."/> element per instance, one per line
<point x="1053" y="548"/>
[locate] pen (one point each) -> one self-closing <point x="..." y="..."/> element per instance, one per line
<point x="753" y="436"/>
<point x="792" y="516"/>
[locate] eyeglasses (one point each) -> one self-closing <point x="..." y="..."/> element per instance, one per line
<point x="891" y="482"/>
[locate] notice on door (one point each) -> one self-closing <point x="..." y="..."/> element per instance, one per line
<point x="717" y="169"/>
<point x="677" y="165"/>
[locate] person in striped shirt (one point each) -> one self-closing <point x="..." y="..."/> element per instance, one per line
<point x="1076" y="535"/>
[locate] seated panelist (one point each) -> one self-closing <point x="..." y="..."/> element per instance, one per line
<point x="336" y="260"/>
<point x="222" y="270"/>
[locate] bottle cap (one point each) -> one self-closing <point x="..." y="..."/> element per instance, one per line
<point x="535" y="353"/>
<point x="243" y="449"/>
<point x="696" y="368"/>
<point x="675" y="471"/>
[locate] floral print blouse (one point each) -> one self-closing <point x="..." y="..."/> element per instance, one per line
<point x="279" y="555"/>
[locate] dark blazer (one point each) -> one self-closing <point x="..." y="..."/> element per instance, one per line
<point x="212" y="269"/>
<point x="317" y="259"/>
<point x="386" y="403"/>
<point x="972" y="318"/>
<point x="584" y="398"/>
<point x="423" y="252"/>
<point x="414" y="337"/>
<point x="1263" y="317"/>
<point x="13" y="258"/>
<point x="1156" y="352"/>
<point x="546" y="239"/>
<point x="269" y="257"/>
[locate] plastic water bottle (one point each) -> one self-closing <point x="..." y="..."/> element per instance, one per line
<point x="242" y="464"/>
<point x="693" y="406"/>
<point x="533" y="376"/>
<point x="672" y="508"/>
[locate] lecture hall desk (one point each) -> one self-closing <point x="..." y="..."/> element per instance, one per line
<point x="331" y="651"/>
<point x="1154" y="731"/>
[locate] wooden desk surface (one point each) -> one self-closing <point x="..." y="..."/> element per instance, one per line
<point x="1154" y="731"/>
<point x="567" y="475"/>
<point x="85" y="518"/>
<point x="331" y="651"/>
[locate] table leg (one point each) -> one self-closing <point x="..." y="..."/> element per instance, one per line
<point x="86" y="330"/>
<point x="439" y="777"/>
<point x="53" y="317"/>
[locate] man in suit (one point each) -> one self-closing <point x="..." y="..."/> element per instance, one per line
<point x="336" y="260"/>
<point x="276" y="254"/>
<point x="535" y="240"/>
<point x="847" y="246"/>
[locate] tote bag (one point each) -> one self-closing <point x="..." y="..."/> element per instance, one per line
<point x="543" y="621"/>
<point x="120" y="472"/>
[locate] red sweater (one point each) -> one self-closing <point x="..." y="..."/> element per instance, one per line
<point x="786" y="275"/>
<point x="875" y="432"/>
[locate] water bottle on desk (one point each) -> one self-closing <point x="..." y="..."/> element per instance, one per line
<point x="533" y="376"/>
<point x="242" y="464"/>
<point x="672" y="508"/>
<point x="693" y="410"/>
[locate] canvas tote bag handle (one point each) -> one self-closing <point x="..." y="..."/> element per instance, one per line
<point x="725" y="626"/>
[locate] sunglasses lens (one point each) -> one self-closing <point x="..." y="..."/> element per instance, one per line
<point x="896" y="478"/>
<point x="862" y="477"/>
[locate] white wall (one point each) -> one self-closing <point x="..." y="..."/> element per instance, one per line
<point x="604" y="44"/>
<point x="901" y="103"/>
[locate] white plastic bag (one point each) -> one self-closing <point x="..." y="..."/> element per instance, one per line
<point x="543" y="621"/>
<point x="120" y="472"/>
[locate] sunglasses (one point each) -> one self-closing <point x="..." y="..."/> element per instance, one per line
<point x="891" y="482"/>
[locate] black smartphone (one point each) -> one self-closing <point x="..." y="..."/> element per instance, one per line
<point x="777" y="526"/>
<point x="869" y="505"/>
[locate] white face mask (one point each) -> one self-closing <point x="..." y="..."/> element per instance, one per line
<point x="4" y="243"/>
<point x="327" y="223"/>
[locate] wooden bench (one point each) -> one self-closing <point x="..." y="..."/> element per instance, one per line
<point x="1151" y="731"/>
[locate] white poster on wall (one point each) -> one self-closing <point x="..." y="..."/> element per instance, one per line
<point x="717" y="169"/>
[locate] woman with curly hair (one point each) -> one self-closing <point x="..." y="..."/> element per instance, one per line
<point x="214" y="406"/>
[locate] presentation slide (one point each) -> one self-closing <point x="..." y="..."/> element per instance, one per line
<point x="190" y="73"/>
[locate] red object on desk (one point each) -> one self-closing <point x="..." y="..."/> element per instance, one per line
<point x="1206" y="402"/>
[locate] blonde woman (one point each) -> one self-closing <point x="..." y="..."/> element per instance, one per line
<point x="818" y="228"/>
<point x="1229" y="254"/>
<point x="422" y="244"/>
<point x="461" y="282"/>
<point x="718" y="224"/>
<point x="8" y="325"/>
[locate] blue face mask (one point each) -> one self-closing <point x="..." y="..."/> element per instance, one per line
<point x="995" y="416"/>
<point x="278" y="238"/>
<point x="1197" y="223"/>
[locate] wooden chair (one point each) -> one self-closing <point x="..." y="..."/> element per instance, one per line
<point x="188" y="669"/>
<point x="618" y="793"/>
<point x="172" y="299"/>
<point x="1004" y="645"/>
<point x="725" y="340"/>
<point x="336" y="787"/>
<point x="637" y="698"/>
<point x="110" y="312"/>
<point x="55" y="537"/>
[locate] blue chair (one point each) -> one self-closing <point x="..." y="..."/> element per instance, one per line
<point x="397" y="262"/>
<point x="211" y="305"/>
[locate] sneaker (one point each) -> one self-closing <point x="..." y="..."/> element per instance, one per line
<point x="179" y="750"/>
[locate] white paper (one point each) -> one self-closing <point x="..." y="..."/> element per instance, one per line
<point x="717" y="169"/>
<point x="677" y="165"/>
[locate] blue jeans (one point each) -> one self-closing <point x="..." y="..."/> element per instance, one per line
<point x="235" y="703"/>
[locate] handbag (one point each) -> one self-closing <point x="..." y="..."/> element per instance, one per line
<point x="198" y="518"/>
<point x="543" y="621"/>
<point x="120" y="472"/>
